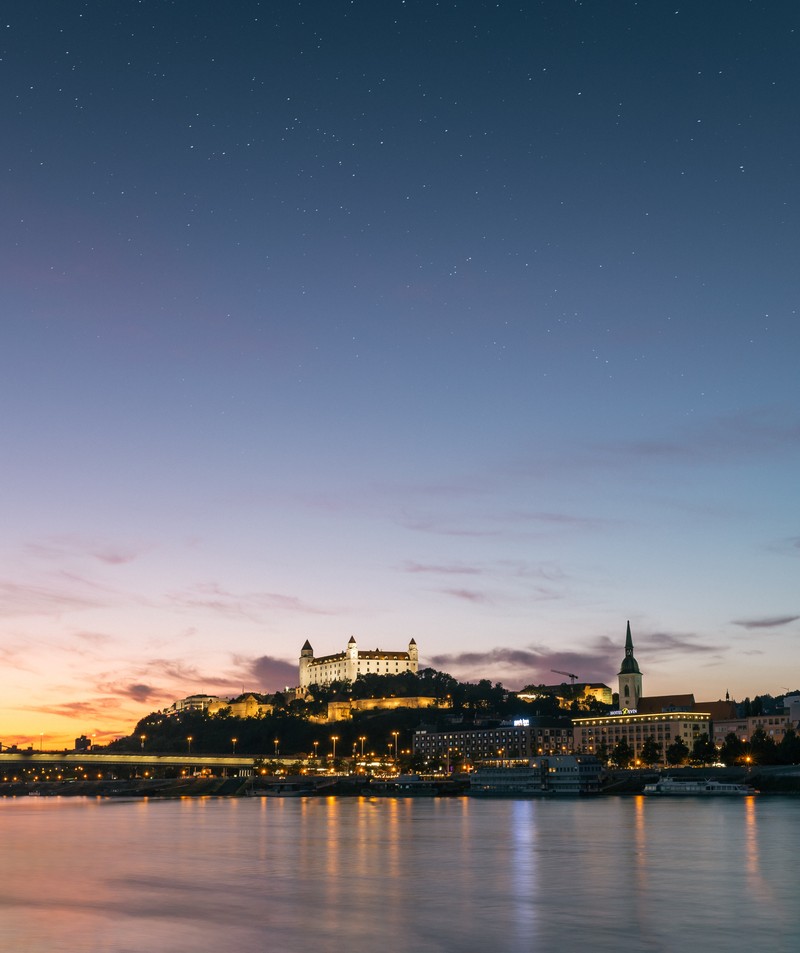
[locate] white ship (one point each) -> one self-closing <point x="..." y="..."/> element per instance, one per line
<point x="670" y="787"/>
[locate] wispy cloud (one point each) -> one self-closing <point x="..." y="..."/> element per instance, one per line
<point x="446" y="526"/>
<point x="103" y="710"/>
<point x="766" y="622"/>
<point x="534" y="665"/>
<point x="57" y="548"/>
<point x="181" y="676"/>
<point x="249" y="605"/>
<point x="539" y="664"/>
<point x="23" y="599"/>
<point x="527" y="524"/>
<point x="733" y="436"/>
<point x="790" y="545"/>
<point x="94" y="638"/>
<point x="139" y="692"/>
<point x="467" y="595"/>
<point x="549" y="572"/>
<point x="660" y="645"/>
<point x="17" y="657"/>
<point x="97" y="708"/>
<point x="443" y="570"/>
<point x="549" y="520"/>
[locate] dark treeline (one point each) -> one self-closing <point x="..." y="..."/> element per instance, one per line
<point x="289" y="729"/>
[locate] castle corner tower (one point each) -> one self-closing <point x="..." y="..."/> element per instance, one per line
<point x="306" y="658"/>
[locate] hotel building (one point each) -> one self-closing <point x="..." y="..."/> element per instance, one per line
<point x="521" y="739"/>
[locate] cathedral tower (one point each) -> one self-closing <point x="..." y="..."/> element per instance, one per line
<point x="630" y="678"/>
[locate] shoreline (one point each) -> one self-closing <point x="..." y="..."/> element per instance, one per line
<point x="766" y="783"/>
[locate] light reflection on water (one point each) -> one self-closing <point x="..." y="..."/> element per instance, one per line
<point x="428" y="875"/>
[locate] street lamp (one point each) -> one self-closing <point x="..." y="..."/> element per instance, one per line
<point x="142" y="739"/>
<point x="362" y="739"/>
<point x="394" y="735"/>
<point x="276" y="747"/>
<point x="316" y="745"/>
<point x="233" y="742"/>
<point x="189" y="743"/>
<point x="334" y="739"/>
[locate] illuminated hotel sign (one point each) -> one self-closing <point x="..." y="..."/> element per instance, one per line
<point x="624" y="711"/>
<point x="522" y="722"/>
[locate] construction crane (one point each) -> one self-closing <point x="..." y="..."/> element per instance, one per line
<point x="572" y="678"/>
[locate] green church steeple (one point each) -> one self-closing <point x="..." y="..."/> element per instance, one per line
<point x="629" y="664"/>
<point x="630" y="678"/>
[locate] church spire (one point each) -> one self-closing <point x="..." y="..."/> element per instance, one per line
<point x="629" y="663"/>
<point x="630" y="678"/>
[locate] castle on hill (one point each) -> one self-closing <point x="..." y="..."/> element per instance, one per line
<point x="352" y="663"/>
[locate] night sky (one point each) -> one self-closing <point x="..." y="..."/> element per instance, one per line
<point x="473" y="322"/>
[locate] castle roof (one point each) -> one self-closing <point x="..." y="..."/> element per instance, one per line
<point x="377" y="654"/>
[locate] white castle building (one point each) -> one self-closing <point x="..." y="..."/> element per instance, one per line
<point x="351" y="663"/>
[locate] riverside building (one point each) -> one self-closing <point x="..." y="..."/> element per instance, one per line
<point x="521" y="739"/>
<point x="774" y="727"/>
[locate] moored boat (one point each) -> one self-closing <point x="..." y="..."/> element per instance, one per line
<point x="522" y="780"/>
<point x="671" y="787"/>
<point x="403" y="785"/>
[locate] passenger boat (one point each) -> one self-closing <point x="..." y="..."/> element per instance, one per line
<point x="403" y="785"/>
<point x="281" y="792"/>
<point x="508" y="781"/>
<point x="670" y="787"/>
<point x="289" y="788"/>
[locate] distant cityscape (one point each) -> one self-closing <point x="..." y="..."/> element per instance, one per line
<point x="431" y="722"/>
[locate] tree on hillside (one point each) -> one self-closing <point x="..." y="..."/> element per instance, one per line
<point x="435" y="684"/>
<point x="483" y="696"/>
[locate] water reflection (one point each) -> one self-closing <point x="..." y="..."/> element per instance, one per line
<point x="432" y="875"/>
<point x="751" y="836"/>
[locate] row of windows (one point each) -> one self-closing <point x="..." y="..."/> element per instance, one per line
<point x="498" y="735"/>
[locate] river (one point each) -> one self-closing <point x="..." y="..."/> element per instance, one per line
<point x="363" y="875"/>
